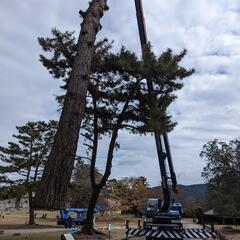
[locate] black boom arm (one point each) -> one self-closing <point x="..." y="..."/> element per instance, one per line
<point x="162" y="155"/>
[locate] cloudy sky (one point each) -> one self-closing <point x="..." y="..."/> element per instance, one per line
<point x="207" y="107"/>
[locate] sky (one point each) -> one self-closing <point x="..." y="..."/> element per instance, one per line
<point x="208" y="106"/>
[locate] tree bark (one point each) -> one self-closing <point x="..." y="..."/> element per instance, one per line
<point x="88" y="226"/>
<point x="56" y="177"/>
<point x="31" y="220"/>
<point x="96" y="188"/>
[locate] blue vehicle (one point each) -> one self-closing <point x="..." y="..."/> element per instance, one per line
<point x="177" y="207"/>
<point x="72" y="217"/>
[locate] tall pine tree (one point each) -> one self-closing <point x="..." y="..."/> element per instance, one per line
<point x="24" y="159"/>
<point x="52" y="191"/>
<point x="117" y="96"/>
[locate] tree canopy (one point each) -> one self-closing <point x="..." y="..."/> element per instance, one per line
<point x="132" y="194"/>
<point x="222" y="172"/>
<point x="117" y="93"/>
<point x="24" y="158"/>
<point x="81" y="188"/>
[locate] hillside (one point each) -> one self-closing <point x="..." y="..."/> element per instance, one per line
<point x="187" y="193"/>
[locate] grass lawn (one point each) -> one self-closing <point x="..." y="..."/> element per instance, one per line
<point x="19" y="219"/>
<point x="33" y="236"/>
<point x="115" y="234"/>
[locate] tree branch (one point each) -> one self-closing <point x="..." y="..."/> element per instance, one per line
<point x="114" y="136"/>
<point x="129" y="126"/>
<point x="86" y="136"/>
<point x="87" y="158"/>
<point x="89" y="146"/>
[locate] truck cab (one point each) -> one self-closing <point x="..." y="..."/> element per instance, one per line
<point x="157" y="219"/>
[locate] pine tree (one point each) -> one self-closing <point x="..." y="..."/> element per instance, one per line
<point x="52" y="191"/>
<point x="24" y="159"/>
<point x="117" y="96"/>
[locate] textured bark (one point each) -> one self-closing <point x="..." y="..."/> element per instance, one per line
<point x="57" y="173"/>
<point x="96" y="188"/>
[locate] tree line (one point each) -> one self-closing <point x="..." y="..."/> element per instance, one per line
<point x="222" y="173"/>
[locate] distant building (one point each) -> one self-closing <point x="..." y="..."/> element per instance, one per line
<point x="14" y="204"/>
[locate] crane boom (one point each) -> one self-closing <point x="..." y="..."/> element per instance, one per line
<point x="162" y="156"/>
<point x="162" y="221"/>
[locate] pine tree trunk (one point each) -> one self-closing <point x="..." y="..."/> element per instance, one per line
<point x="31" y="216"/>
<point x="31" y="220"/>
<point x="56" y="177"/>
<point x="96" y="188"/>
<point x="88" y="226"/>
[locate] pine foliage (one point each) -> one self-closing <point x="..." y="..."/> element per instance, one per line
<point x="23" y="159"/>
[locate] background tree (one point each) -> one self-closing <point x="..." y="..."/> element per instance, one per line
<point x="117" y="96"/>
<point x="222" y="173"/>
<point x="81" y="188"/>
<point x="131" y="193"/>
<point x="55" y="181"/>
<point x="24" y="159"/>
<point x="81" y="185"/>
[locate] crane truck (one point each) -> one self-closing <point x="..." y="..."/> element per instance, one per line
<point x="163" y="218"/>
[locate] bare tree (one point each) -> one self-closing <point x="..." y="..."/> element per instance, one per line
<point x="52" y="191"/>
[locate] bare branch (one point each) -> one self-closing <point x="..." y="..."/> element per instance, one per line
<point x="89" y="146"/>
<point x="87" y="136"/>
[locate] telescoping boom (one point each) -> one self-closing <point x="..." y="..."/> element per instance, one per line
<point x="163" y="220"/>
<point x="161" y="140"/>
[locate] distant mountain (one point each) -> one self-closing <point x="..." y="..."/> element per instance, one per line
<point x="195" y="192"/>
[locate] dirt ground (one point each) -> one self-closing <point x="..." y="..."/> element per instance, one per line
<point x="20" y="219"/>
<point x="35" y="236"/>
<point x="15" y="227"/>
<point x="233" y="234"/>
